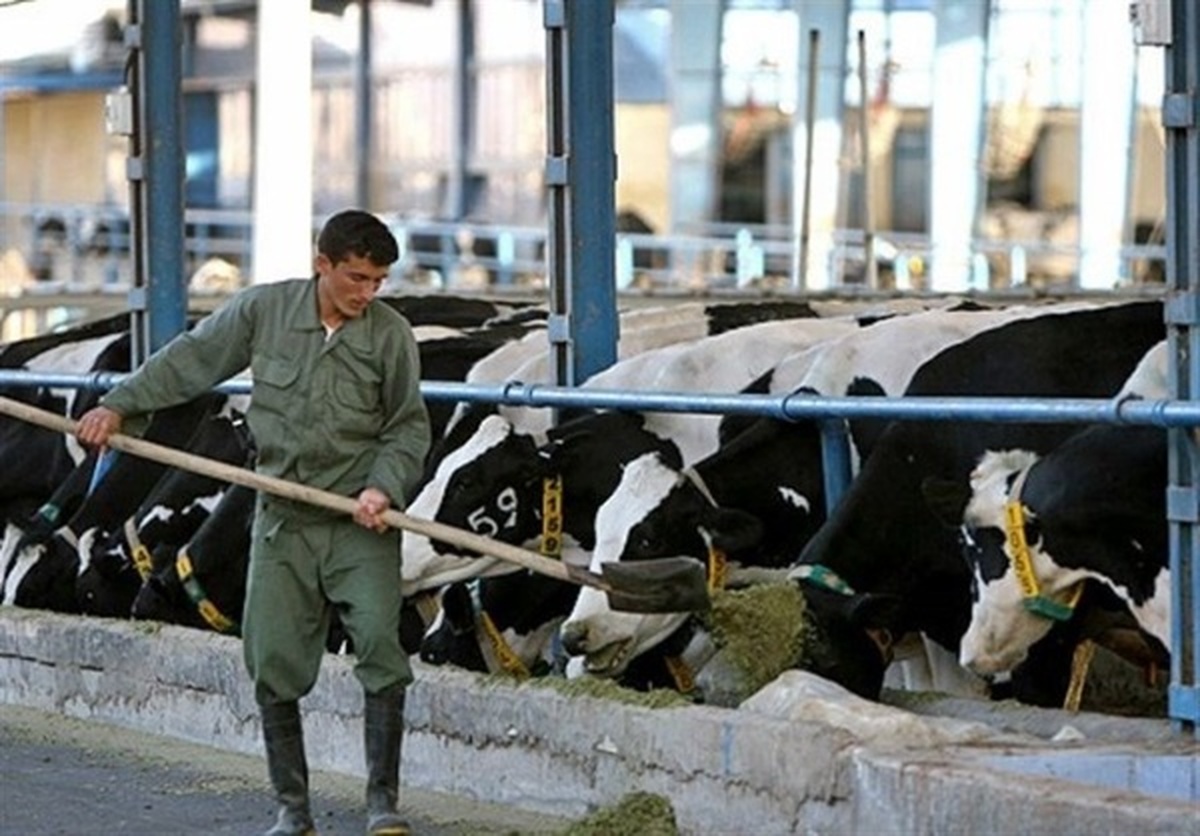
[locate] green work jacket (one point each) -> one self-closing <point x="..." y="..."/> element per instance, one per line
<point x="340" y="414"/>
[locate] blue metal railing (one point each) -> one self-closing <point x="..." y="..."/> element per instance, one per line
<point x="792" y="407"/>
<point x="828" y="411"/>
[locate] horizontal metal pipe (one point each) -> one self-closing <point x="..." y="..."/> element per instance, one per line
<point x="795" y="406"/>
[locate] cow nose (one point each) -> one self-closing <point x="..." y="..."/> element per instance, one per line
<point x="574" y="638"/>
<point x="984" y="664"/>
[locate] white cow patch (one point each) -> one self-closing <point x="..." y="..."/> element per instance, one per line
<point x="26" y="559"/>
<point x="1154" y="615"/>
<point x="989" y="486"/>
<point x="794" y="498"/>
<point x="69" y="358"/>
<point x="423" y="568"/>
<point x="613" y="638"/>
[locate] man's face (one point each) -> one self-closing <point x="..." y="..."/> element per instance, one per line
<point x="346" y="288"/>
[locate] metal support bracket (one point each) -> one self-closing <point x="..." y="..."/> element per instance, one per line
<point x="1183" y="505"/>
<point x="1182" y="308"/>
<point x="558" y="328"/>
<point x="554" y="14"/>
<point x="137" y="299"/>
<point x="556" y="171"/>
<point x="1183" y="701"/>
<point x="1179" y="111"/>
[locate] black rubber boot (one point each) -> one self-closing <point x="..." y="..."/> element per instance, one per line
<point x="383" y="732"/>
<point x="284" y="738"/>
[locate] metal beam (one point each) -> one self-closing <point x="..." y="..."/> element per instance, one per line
<point x="156" y="171"/>
<point x="830" y="21"/>
<point x="459" y="185"/>
<point x="580" y="177"/>
<point x="1180" y="118"/>
<point x="364" y="107"/>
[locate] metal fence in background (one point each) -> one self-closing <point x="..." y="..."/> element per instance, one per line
<point x="86" y="247"/>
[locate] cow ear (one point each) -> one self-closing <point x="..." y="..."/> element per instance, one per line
<point x="733" y="530"/>
<point x="946" y="498"/>
<point x="865" y="432"/>
<point x="554" y="455"/>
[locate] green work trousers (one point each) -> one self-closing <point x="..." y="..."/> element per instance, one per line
<point x="301" y="569"/>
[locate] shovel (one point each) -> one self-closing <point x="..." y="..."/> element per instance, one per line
<point x="675" y="584"/>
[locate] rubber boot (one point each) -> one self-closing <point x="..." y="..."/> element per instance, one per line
<point x="383" y="732"/>
<point x="287" y="768"/>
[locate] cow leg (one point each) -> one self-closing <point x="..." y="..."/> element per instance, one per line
<point x="283" y="734"/>
<point x="383" y="733"/>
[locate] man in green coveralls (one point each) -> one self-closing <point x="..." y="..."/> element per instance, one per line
<point x="336" y="405"/>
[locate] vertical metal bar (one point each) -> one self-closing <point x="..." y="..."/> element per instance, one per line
<point x="162" y="131"/>
<point x="835" y="461"/>
<point x="558" y="221"/>
<point x="870" y="272"/>
<point x="364" y="107"/>
<point x="1183" y="331"/>
<point x="135" y="174"/>
<point x="800" y="274"/>
<point x="459" y="184"/>
<point x="592" y="174"/>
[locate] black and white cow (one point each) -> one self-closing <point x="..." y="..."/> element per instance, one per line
<point x="882" y="538"/>
<point x="761" y="496"/>
<point x="43" y="572"/>
<point x="722" y="363"/>
<point x="202" y="584"/>
<point x="35" y="460"/>
<point x="454" y="311"/>
<point x="1053" y="537"/>
<point x="507" y="486"/>
<point x="118" y="561"/>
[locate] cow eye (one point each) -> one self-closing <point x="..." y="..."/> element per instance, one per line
<point x="646" y="543"/>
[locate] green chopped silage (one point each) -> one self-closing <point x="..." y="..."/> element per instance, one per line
<point x="760" y="630"/>
<point x="636" y="814"/>
<point x="608" y="689"/>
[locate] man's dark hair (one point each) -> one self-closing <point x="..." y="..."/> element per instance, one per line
<point x="354" y="232"/>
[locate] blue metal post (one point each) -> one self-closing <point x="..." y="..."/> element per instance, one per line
<point x="363" y="108"/>
<point x="1183" y="331"/>
<point x="580" y="174"/>
<point x="458" y="203"/>
<point x="163" y="151"/>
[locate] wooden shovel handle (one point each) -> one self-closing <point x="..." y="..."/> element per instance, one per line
<point x="313" y="496"/>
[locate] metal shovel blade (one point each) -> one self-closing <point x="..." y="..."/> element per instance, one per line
<point x="670" y="584"/>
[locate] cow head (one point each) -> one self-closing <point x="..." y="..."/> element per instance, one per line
<point x="850" y="635"/>
<point x="1017" y="589"/>
<point x="42" y="574"/>
<point x="632" y="525"/>
<point x="503" y="624"/>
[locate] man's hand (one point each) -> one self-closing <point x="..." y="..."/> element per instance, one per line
<point x="96" y="426"/>
<point x="372" y="502"/>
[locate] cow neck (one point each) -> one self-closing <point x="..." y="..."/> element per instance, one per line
<point x="822" y="576"/>
<point x="1022" y="562"/>
<point x="497" y="653"/>
<point x="138" y="552"/>
<point x="552" y="517"/>
<point x="209" y="611"/>
<point x="718" y="564"/>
